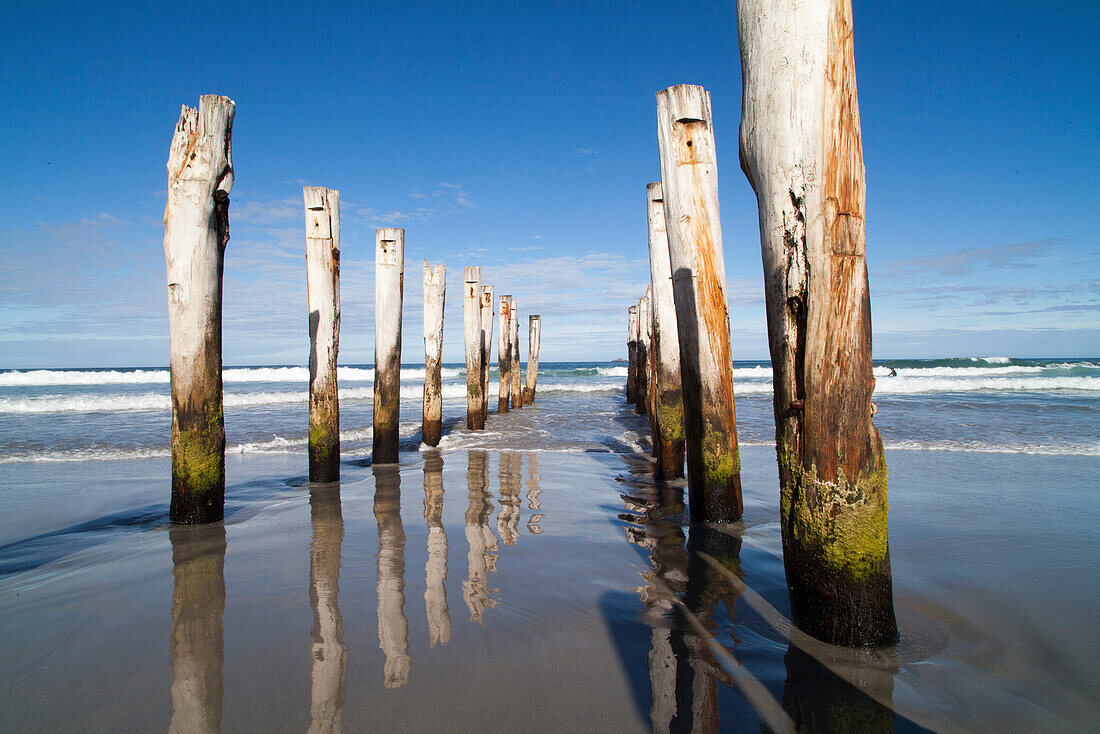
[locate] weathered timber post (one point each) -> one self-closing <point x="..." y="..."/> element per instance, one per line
<point x="487" y="304"/>
<point x="322" y="207"/>
<point x="504" y="354"/>
<point x="641" y="397"/>
<point x="802" y="153"/>
<point x="632" y="354"/>
<point x="667" y="399"/>
<point x="389" y="288"/>
<point x="689" y="177"/>
<point x="328" y="653"/>
<point x="471" y="312"/>
<point x="651" y="370"/>
<point x="534" y="336"/>
<point x="517" y="398"/>
<point x="435" y="293"/>
<point x="196" y="230"/>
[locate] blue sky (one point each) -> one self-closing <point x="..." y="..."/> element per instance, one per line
<point x="520" y="136"/>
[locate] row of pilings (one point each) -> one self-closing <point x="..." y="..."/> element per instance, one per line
<point x="196" y="222"/>
<point x="800" y="148"/>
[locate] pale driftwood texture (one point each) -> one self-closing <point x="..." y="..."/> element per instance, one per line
<point x="435" y="292"/>
<point x="393" y="625"/>
<point x="389" y="288"/>
<point x="534" y="338"/>
<point x="632" y="354"/>
<point x="435" y="570"/>
<point x="322" y="207"/>
<point x="504" y="355"/>
<point x="641" y="397"/>
<point x="198" y="603"/>
<point x="328" y="653"/>
<point x="471" y="312"/>
<point x="801" y="151"/>
<point x="689" y="176"/>
<point x="667" y="399"/>
<point x="487" y="313"/>
<point x="196" y="231"/>
<point x="516" y="381"/>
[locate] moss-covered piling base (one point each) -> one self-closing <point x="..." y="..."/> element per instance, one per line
<point x="198" y="474"/>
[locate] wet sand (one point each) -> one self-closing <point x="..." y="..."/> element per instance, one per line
<point x="509" y="590"/>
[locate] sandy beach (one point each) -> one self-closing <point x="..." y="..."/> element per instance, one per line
<point x="494" y="589"/>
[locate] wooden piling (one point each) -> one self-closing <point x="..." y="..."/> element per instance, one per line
<point x="504" y="355"/>
<point x="322" y="210"/>
<point x="667" y="399"/>
<point x="534" y="337"/>
<point x="389" y="287"/>
<point x="802" y="153"/>
<point x="471" y="311"/>
<point x="435" y="293"/>
<point x="487" y="304"/>
<point x="641" y="397"/>
<point x="196" y="231"/>
<point x="651" y="370"/>
<point x="689" y="177"/>
<point x="632" y="354"/>
<point x="516" y="393"/>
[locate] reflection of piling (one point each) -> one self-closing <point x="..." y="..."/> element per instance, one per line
<point x="389" y="286"/>
<point x="511" y="469"/>
<point x="802" y="153"/>
<point x="534" y="337"/>
<point x="479" y="560"/>
<point x="393" y="626"/>
<point x="690" y="189"/>
<point x="533" y="492"/>
<point x="435" y="285"/>
<point x="504" y="354"/>
<point x="198" y="602"/>
<point x="472" y="327"/>
<point x="515" y="384"/>
<point x="196" y="231"/>
<point x="435" y="570"/>
<point x="632" y="354"/>
<point x="328" y="653"/>
<point x="487" y="304"/>
<point x="667" y="399"/>
<point x="322" y="208"/>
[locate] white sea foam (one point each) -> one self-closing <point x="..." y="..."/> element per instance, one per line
<point x="39" y="378"/>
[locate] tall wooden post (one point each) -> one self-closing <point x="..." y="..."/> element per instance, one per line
<point x="802" y="153"/>
<point x="487" y="304"/>
<point x="516" y="390"/>
<point x="389" y="288"/>
<point x="323" y="296"/>
<point x="689" y="177"/>
<point x="641" y="398"/>
<point x="651" y="369"/>
<point x="471" y="312"/>
<point x="668" y="399"/>
<point x="435" y="287"/>
<point x="504" y="354"/>
<point x="196" y="230"/>
<point x="534" y="336"/>
<point x="632" y="354"/>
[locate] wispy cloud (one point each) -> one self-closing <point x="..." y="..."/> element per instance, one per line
<point x="968" y="259"/>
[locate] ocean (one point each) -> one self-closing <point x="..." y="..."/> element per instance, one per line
<point x="967" y="404"/>
<point x="533" y="575"/>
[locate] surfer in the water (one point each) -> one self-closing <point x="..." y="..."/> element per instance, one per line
<point x="893" y="372"/>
